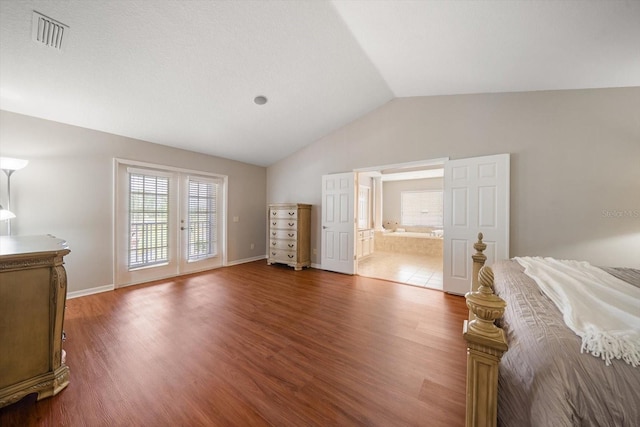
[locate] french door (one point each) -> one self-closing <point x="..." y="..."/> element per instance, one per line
<point x="476" y="199"/>
<point x="168" y="222"/>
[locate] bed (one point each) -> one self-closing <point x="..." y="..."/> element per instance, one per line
<point x="525" y="367"/>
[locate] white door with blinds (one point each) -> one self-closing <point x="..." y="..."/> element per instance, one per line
<point x="168" y="222"/>
<point x="199" y="234"/>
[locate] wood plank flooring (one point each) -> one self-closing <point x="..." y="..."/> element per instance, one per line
<point x="258" y="345"/>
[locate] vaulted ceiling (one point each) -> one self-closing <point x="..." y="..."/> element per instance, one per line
<point x="185" y="73"/>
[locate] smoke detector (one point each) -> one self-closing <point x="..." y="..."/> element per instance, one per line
<point x="48" y="32"/>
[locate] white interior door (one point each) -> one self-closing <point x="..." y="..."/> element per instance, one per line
<point x="338" y="223"/>
<point x="476" y="199"/>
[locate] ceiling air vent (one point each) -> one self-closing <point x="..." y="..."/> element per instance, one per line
<point x="48" y="32"/>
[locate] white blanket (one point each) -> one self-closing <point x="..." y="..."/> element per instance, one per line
<point x="601" y="309"/>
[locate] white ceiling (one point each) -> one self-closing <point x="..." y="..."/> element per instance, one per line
<point x="185" y="73"/>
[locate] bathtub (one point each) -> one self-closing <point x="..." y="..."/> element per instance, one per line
<point x="408" y="242"/>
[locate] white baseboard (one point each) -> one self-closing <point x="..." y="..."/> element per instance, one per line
<point x="318" y="266"/>
<point x="107" y="288"/>
<point x="245" y="260"/>
<point x="91" y="291"/>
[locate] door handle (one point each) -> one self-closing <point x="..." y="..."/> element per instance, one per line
<point x="324" y="226"/>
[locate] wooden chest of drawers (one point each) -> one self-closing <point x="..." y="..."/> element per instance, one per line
<point x="289" y="234"/>
<point x="33" y="291"/>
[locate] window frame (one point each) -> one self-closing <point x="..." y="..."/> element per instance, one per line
<point x="212" y="240"/>
<point x="146" y="252"/>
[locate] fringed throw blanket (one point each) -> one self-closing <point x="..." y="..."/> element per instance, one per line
<point x="601" y="309"/>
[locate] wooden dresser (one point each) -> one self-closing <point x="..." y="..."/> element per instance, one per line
<point x="33" y="292"/>
<point x="289" y="234"/>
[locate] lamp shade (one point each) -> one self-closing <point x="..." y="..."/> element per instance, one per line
<point x="9" y="163"/>
<point x="5" y="214"/>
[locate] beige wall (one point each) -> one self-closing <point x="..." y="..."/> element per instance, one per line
<point x="575" y="163"/>
<point x="67" y="190"/>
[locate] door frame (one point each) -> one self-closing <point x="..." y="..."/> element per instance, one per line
<point x="416" y="165"/>
<point x="119" y="209"/>
<point x="397" y="167"/>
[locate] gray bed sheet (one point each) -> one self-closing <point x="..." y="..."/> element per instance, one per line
<point x="544" y="380"/>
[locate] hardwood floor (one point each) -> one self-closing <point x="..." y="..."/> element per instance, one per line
<point x="254" y="345"/>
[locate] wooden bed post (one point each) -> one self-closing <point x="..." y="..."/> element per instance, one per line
<point x="479" y="259"/>
<point x="485" y="345"/>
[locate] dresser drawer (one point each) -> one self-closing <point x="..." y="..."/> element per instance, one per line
<point x="283" y="224"/>
<point x="283" y="234"/>
<point x="283" y="213"/>
<point x="281" y="255"/>
<point x="288" y="245"/>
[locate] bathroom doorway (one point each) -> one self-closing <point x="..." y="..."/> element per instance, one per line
<point x="399" y="236"/>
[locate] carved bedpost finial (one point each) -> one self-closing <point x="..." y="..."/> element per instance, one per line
<point x="478" y="260"/>
<point x="479" y="246"/>
<point x="485" y="277"/>
<point x="486" y="306"/>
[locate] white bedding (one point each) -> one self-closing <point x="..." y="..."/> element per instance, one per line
<point x="544" y="380"/>
<point x="601" y="309"/>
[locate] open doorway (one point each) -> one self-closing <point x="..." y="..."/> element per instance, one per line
<point x="400" y="223"/>
<point x="476" y="200"/>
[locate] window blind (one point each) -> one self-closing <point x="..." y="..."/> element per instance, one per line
<point x="422" y="208"/>
<point x="202" y="219"/>
<point x="148" y="219"/>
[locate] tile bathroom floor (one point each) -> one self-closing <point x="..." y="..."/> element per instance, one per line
<point x="417" y="270"/>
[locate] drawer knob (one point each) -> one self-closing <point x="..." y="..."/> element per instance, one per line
<point x="292" y="213"/>
<point x="290" y="256"/>
<point x="291" y="224"/>
<point x="290" y="234"/>
<point x="291" y="245"/>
